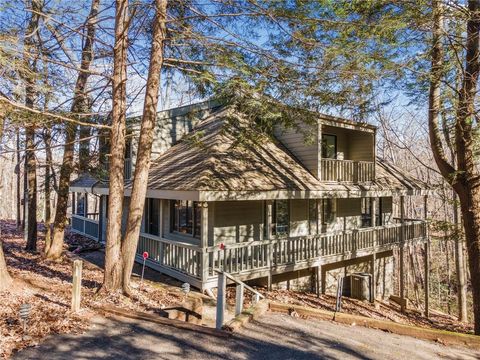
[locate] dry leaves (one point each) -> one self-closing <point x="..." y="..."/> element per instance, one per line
<point x="46" y="286"/>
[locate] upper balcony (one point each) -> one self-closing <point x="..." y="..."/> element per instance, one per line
<point x="347" y="155"/>
<point x="333" y="150"/>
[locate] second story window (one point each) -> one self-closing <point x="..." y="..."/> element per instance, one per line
<point x="329" y="146"/>
<point x="186" y="217"/>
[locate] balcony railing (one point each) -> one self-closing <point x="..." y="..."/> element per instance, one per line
<point x="334" y="170"/>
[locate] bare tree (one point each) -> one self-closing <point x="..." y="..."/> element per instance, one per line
<point x="113" y="260"/>
<point x="79" y="105"/>
<point x="142" y="165"/>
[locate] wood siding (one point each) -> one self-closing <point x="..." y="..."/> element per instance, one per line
<point x="303" y="144"/>
<point x="238" y="221"/>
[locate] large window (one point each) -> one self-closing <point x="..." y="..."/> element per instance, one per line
<point x="312" y="217"/>
<point x="152" y="216"/>
<point x="186" y="217"/>
<point x="328" y="211"/>
<point x="329" y="146"/>
<point x="281" y="216"/>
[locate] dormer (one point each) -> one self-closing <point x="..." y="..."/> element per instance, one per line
<point x="333" y="149"/>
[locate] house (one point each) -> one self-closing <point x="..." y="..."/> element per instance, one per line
<point x="272" y="209"/>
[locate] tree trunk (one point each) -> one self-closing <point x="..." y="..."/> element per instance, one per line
<point x="17" y="174"/>
<point x="113" y="261"/>
<point x="30" y="160"/>
<point x="84" y="149"/>
<point x="470" y="205"/>
<point x="142" y="164"/>
<point x="459" y="265"/>
<point x="79" y="105"/>
<point x="47" y="138"/>
<point x="31" y="166"/>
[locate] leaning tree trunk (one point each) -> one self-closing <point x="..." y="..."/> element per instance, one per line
<point x="142" y="164"/>
<point x="113" y="261"/>
<point x="79" y="105"/>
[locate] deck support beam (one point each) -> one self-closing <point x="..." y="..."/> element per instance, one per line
<point x="427" y="259"/>
<point x="402" y="245"/>
<point x="318" y="280"/>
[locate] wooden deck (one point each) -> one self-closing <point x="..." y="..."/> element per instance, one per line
<point x="254" y="259"/>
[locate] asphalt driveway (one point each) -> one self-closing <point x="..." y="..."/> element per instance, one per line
<point x="273" y="336"/>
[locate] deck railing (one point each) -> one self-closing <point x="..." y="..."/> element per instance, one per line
<point x="257" y="255"/>
<point x="347" y="170"/>
<point x="176" y="255"/>
<point x="85" y="226"/>
<point x="251" y="256"/>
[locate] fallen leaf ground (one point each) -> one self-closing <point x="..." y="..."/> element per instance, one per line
<point x="46" y="286"/>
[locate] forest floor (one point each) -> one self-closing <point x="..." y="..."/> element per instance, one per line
<point x="47" y="285"/>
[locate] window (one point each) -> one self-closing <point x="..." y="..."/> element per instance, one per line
<point x="186" y="217"/>
<point x="328" y="211"/>
<point x="281" y="216"/>
<point x="329" y="146"/>
<point x="152" y="217"/>
<point x="80" y="204"/>
<point x="378" y="213"/>
<point x="312" y="217"/>
<point x="366" y="211"/>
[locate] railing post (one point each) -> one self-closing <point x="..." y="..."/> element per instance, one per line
<point x="204" y="268"/>
<point x="268" y="236"/>
<point x="221" y="300"/>
<point x="239" y="291"/>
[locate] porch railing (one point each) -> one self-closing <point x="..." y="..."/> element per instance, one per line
<point x="85" y="226"/>
<point x="176" y="255"/>
<point x="251" y="256"/>
<point x="335" y="170"/>
<point x="257" y="255"/>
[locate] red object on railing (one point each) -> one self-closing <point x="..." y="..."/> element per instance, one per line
<point x="221" y="246"/>
<point x="145" y="255"/>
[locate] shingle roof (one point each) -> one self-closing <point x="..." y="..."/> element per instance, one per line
<point x="212" y="158"/>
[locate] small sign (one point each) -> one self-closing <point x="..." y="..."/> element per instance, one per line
<point x="145" y="255"/>
<point x="221" y="246"/>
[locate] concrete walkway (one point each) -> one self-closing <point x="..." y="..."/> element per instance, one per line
<point x="273" y="336"/>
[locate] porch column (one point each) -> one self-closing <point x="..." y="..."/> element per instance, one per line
<point x="161" y="217"/>
<point x="100" y="219"/>
<point x="427" y="259"/>
<point x="204" y="240"/>
<point x="268" y="236"/>
<point x="318" y="280"/>
<point x="373" y="287"/>
<point x="402" y="244"/>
